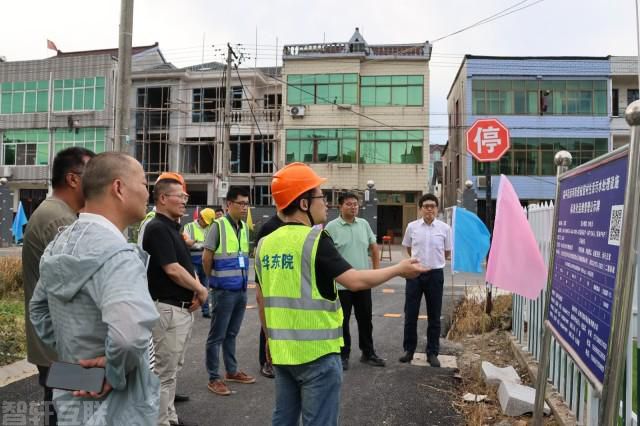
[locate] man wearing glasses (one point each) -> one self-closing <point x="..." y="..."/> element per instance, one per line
<point x="355" y="241"/>
<point x="174" y="287"/>
<point x="429" y="240"/>
<point x="226" y="262"/>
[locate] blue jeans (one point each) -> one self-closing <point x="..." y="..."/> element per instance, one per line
<point x="311" y="389"/>
<point x="228" y="312"/>
<point x="203" y="280"/>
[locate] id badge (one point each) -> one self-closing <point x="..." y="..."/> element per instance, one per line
<point x="241" y="262"/>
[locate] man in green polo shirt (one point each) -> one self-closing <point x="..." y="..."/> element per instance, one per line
<point x="355" y="241"/>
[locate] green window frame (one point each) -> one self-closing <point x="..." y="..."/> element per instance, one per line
<point x="534" y="156"/>
<point x="25" y="147"/>
<point x="392" y="90"/>
<point x="92" y="138"/>
<point x="322" y="89"/>
<point x="391" y="146"/>
<point x="544" y="97"/>
<point x="321" y="145"/>
<point x="79" y="94"/>
<point x="24" y="97"/>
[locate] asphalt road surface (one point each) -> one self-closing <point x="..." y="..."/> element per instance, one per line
<point x="398" y="394"/>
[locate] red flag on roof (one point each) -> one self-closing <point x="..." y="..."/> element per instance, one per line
<point x="51" y="45"/>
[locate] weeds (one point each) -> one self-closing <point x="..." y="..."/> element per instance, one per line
<point x="10" y="276"/>
<point x="13" y="344"/>
<point x="469" y="317"/>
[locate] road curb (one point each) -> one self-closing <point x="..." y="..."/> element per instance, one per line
<point x="17" y="371"/>
<point x="561" y="412"/>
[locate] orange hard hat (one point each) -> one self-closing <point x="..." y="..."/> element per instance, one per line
<point x="291" y="181"/>
<point x="174" y="176"/>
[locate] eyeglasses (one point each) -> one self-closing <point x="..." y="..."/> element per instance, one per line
<point x="184" y="197"/>
<point x="241" y="203"/>
<point x="324" y="197"/>
<point x="429" y="206"/>
<point x="351" y="205"/>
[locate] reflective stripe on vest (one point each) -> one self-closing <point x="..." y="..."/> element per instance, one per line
<point x="301" y="327"/>
<point x="226" y="272"/>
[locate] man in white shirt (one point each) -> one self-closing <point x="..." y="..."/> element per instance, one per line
<point x="429" y="240"/>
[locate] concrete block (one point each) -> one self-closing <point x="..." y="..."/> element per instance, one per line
<point x="16" y="371"/>
<point x="448" y="361"/>
<point x="495" y="375"/>
<point x="516" y="400"/>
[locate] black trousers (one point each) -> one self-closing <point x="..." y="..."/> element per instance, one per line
<point x="262" y="354"/>
<point x="49" y="415"/>
<point x="360" y="302"/>
<point x="430" y="284"/>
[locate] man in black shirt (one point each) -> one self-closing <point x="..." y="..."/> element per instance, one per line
<point x="174" y="287"/>
<point x="266" y="369"/>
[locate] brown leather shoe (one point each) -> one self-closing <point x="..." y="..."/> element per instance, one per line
<point x="239" y="377"/>
<point x="218" y="387"/>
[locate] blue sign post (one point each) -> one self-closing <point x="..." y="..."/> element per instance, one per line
<point x="589" y="224"/>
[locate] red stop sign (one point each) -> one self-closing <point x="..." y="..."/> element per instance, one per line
<point x="488" y="140"/>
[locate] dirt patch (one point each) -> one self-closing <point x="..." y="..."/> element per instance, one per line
<point x="493" y="346"/>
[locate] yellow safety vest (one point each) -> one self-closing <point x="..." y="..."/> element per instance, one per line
<point x="302" y="325"/>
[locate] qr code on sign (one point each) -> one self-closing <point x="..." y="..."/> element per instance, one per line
<point x="615" y="225"/>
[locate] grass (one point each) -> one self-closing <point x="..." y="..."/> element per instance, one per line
<point x="13" y="345"/>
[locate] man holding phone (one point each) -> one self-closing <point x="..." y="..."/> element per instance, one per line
<point x="91" y="303"/>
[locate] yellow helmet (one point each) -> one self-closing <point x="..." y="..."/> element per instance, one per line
<point x="208" y="215"/>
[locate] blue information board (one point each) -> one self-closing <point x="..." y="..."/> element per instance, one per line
<point x="589" y="221"/>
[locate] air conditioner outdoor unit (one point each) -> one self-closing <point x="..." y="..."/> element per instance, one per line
<point x="481" y="182"/>
<point x="6" y="171"/>
<point x="296" y="111"/>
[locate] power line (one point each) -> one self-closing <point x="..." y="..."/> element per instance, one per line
<point x="491" y="18"/>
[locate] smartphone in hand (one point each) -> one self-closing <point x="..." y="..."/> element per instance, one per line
<point x="74" y="377"/>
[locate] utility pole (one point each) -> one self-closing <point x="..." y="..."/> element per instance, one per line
<point x="121" y="132"/>
<point x="225" y="155"/>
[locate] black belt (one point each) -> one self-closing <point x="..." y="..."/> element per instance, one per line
<point x="177" y="303"/>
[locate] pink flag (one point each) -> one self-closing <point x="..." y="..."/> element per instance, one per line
<point x="196" y="213"/>
<point x="515" y="263"/>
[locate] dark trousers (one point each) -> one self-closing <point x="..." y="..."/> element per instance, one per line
<point x="203" y="280"/>
<point x="262" y="354"/>
<point x="360" y="301"/>
<point x="430" y="284"/>
<point x="49" y="415"/>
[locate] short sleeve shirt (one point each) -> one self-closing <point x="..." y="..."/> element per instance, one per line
<point x="352" y="240"/>
<point x="428" y="242"/>
<point x="165" y="245"/>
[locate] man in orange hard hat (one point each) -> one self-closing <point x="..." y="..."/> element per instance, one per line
<point x="297" y="267"/>
<point x="152" y="213"/>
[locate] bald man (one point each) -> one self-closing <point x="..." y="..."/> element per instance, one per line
<point x="91" y="303"/>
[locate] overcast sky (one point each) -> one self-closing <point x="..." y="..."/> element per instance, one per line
<point x="550" y="28"/>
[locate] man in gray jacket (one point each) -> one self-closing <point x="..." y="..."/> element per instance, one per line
<point x="91" y="303"/>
